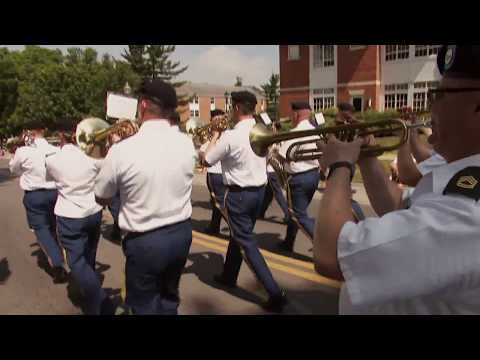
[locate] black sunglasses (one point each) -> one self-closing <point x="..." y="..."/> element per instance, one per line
<point x="437" y="94"/>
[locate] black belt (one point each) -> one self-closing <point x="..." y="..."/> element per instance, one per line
<point x="236" y="188"/>
<point x="304" y="172"/>
<point x="29" y="191"/>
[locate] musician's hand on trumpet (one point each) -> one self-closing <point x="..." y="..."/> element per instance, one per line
<point x="335" y="151"/>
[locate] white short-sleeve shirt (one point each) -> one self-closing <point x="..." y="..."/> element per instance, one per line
<point x="424" y="260"/>
<point x="29" y="164"/>
<point x="300" y="166"/>
<point x="74" y="175"/>
<point x="153" y="171"/>
<point x="240" y="165"/>
<point x="431" y="163"/>
<point x="215" y="169"/>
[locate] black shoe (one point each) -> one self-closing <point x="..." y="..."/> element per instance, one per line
<point x="277" y="303"/>
<point x="60" y="275"/>
<point x="283" y="246"/>
<point x="220" y="279"/>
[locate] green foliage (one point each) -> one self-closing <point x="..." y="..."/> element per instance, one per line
<point x="42" y="84"/>
<point x="272" y="93"/>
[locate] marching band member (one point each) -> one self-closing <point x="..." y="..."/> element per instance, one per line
<point x="245" y="177"/>
<point x="215" y="185"/>
<point x="423" y="259"/>
<point x="153" y="171"/>
<point x="79" y="219"/>
<point x="274" y="188"/>
<point x="39" y="199"/>
<point x="304" y="179"/>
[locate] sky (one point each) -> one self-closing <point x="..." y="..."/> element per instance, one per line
<point x="215" y="64"/>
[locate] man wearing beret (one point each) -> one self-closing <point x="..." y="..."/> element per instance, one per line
<point x="40" y="197"/>
<point x="153" y="171"/>
<point x="304" y="179"/>
<point x="215" y="184"/>
<point x="245" y="177"/>
<point x="424" y="259"/>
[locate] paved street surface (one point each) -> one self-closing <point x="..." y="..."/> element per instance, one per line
<point x="27" y="288"/>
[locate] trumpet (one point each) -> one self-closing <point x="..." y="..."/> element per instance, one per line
<point x="95" y="136"/>
<point x="261" y="138"/>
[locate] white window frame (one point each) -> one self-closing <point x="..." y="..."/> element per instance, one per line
<point x="212" y="103"/>
<point x="357" y="47"/>
<point x="319" y="56"/>
<point x="293" y="52"/>
<point x="397" y="52"/>
<point x="395" y="96"/>
<point x="420" y="89"/>
<point x="428" y="50"/>
<point x="323" y="99"/>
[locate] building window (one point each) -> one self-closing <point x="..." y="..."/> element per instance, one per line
<point x="323" y="56"/>
<point x="195" y="100"/>
<point x="396" y="96"/>
<point x="357" y="47"/>
<point x="420" y="98"/>
<point x="323" y="99"/>
<point x="293" y="52"/>
<point x="212" y="101"/>
<point x="197" y="113"/>
<point x="192" y="113"/>
<point x="426" y="50"/>
<point x="397" y="52"/>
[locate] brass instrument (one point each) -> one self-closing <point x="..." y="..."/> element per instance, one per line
<point x="261" y="138"/>
<point x="205" y="133"/>
<point x="95" y="136"/>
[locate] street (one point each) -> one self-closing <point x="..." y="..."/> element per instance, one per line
<point x="27" y="289"/>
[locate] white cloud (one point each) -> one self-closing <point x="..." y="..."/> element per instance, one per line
<point x="221" y="65"/>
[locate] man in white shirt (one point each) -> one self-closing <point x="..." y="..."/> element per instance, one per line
<point x="424" y="259"/>
<point x="215" y="185"/>
<point x="245" y="177"/>
<point x="40" y="197"/>
<point x="79" y="219"/>
<point x="153" y="170"/>
<point x="303" y="181"/>
<point x="274" y="188"/>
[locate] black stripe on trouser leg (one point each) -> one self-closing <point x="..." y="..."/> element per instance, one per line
<point x="242" y="213"/>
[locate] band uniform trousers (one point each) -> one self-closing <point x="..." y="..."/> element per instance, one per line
<point x="242" y="209"/>
<point x="80" y="239"/>
<point x="274" y="189"/>
<point x="39" y="206"/>
<point x="114" y="208"/>
<point x="302" y="187"/>
<point x="215" y="185"/>
<point x="154" y="264"/>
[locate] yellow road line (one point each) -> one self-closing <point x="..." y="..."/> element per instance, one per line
<point x="286" y="269"/>
<point x="285" y="259"/>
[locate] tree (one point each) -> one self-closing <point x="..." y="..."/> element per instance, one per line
<point x="272" y="93"/>
<point x="153" y="61"/>
<point x="8" y="90"/>
<point x="239" y="82"/>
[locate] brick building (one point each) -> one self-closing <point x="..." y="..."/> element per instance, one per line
<point x="207" y="97"/>
<point x="378" y="77"/>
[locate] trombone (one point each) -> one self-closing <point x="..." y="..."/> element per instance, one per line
<point x="261" y="138"/>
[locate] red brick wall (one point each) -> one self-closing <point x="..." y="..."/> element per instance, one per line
<point x="371" y="92"/>
<point x="286" y="98"/>
<point x="294" y="73"/>
<point x="358" y="65"/>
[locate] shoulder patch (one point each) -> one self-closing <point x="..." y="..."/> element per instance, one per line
<point x="466" y="183"/>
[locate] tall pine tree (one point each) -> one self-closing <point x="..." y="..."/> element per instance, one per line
<point x="272" y="93"/>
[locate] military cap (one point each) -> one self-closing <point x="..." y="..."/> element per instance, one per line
<point x="159" y="92"/>
<point x="459" y="61"/>
<point x="244" y="97"/>
<point x="300" y="105"/>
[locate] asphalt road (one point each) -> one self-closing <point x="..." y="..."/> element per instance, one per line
<point x="26" y="288"/>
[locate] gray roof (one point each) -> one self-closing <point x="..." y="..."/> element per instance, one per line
<point x="211" y="90"/>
